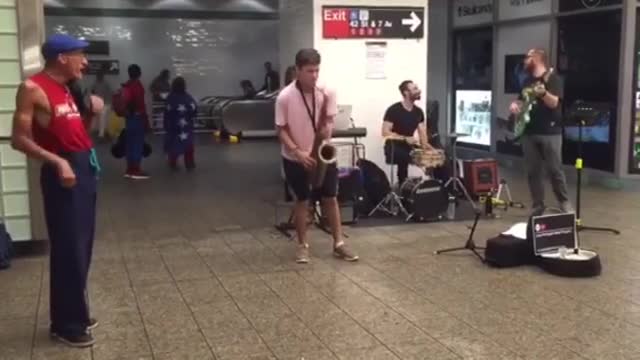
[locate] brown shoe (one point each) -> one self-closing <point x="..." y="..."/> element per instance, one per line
<point x="343" y="252"/>
<point x="302" y="254"/>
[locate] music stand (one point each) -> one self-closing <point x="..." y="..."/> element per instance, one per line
<point x="470" y="244"/>
<point x="579" y="167"/>
<point x="455" y="180"/>
<point x="392" y="201"/>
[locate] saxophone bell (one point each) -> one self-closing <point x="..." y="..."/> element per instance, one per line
<point x="326" y="155"/>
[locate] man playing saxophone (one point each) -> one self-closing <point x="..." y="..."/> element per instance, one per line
<point x="303" y="112"/>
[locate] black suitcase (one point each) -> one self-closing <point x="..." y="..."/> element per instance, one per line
<point x="508" y="251"/>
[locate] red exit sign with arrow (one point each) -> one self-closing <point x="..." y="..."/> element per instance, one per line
<point x="339" y="22"/>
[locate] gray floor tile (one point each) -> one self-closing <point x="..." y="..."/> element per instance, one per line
<point x="198" y="272"/>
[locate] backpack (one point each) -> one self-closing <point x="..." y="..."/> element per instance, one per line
<point x="6" y="248"/>
<point x="375" y="182"/>
<point x="117" y="102"/>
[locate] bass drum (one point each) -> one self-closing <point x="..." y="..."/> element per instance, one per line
<point x="424" y="199"/>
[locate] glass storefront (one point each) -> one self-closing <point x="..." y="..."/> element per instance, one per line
<point x="487" y="59"/>
<point x="590" y="85"/>
<point x="473" y="71"/>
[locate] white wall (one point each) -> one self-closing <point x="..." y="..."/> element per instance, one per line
<point x="513" y="40"/>
<point x="295" y="30"/>
<point x="343" y="68"/>
<point x="212" y="55"/>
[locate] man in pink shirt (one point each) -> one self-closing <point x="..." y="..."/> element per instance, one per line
<point x="302" y="111"/>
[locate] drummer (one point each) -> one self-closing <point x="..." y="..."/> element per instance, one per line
<point x="401" y="122"/>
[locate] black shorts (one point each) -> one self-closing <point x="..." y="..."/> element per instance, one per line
<point x="397" y="150"/>
<point x="298" y="180"/>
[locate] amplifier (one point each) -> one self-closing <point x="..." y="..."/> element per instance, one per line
<point x="480" y="175"/>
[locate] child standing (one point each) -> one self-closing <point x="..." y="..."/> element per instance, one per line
<point x="179" y="116"/>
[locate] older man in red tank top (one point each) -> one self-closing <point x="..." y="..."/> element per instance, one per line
<point x="48" y="127"/>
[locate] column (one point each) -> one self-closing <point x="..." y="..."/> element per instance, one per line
<point x="14" y="180"/>
<point x="625" y="90"/>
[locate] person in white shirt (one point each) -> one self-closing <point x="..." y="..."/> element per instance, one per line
<point x="102" y="89"/>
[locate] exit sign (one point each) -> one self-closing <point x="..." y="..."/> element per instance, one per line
<point x="341" y="22"/>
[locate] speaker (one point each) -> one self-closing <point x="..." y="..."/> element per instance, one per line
<point x="480" y="175"/>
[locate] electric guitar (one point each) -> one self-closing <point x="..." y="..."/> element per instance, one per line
<point x="529" y="99"/>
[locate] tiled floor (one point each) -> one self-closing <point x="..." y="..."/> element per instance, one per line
<point x="187" y="267"/>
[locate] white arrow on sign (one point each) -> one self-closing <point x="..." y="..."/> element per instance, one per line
<point x="414" y="21"/>
<point x="114" y="66"/>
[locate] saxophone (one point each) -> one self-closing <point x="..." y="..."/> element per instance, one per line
<point x="323" y="152"/>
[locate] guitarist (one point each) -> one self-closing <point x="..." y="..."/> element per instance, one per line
<point x="304" y="111"/>
<point x="401" y="121"/>
<point x="542" y="138"/>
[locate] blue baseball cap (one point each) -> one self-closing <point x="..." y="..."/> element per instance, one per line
<point x="59" y="44"/>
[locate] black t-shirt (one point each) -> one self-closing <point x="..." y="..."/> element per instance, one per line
<point x="544" y="120"/>
<point x="404" y="122"/>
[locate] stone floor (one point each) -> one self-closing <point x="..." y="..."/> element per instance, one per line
<point x="187" y="266"/>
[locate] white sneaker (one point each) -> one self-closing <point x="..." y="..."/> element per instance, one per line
<point x="567" y="207"/>
<point x="302" y="254"/>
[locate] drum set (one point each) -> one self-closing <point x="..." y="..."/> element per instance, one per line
<point x="425" y="198"/>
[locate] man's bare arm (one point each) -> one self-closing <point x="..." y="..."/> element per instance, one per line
<point x="386" y="130"/>
<point x="21" y="136"/>
<point x="326" y="131"/>
<point x="422" y="134"/>
<point x="389" y="134"/>
<point x="285" y="138"/>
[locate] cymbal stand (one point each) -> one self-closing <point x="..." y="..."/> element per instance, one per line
<point x="454" y="183"/>
<point x="392" y="202"/>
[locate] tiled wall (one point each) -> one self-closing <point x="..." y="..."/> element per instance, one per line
<point x="296" y="29"/>
<point x="213" y="55"/>
<point x="14" y="184"/>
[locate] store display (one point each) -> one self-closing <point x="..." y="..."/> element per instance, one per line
<point x="473" y="116"/>
<point x="514" y="73"/>
<point x="595" y="118"/>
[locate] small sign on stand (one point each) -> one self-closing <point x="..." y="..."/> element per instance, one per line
<point x="552" y="232"/>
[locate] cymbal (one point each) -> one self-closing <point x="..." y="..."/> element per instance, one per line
<point x="456" y="135"/>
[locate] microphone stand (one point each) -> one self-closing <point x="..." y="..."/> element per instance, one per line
<point x="579" y="167"/>
<point x="470" y="244"/>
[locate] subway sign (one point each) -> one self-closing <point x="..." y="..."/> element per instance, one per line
<point x="341" y="22"/>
